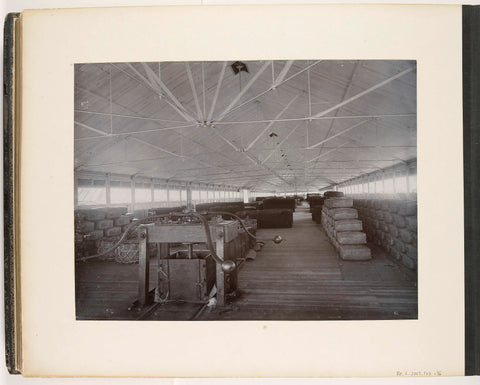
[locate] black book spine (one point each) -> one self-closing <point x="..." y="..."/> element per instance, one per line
<point x="471" y="162"/>
<point x="9" y="84"/>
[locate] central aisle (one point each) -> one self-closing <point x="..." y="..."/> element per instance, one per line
<point x="302" y="278"/>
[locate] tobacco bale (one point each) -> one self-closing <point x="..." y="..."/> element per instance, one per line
<point x="411" y="222"/>
<point x="343" y="213"/>
<point x="355" y="252"/>
<point x="114" y="212"/>
<point x="279" y="203"/>
<point x="331" y="194"/>
<point x="94" y="214"/>
<point x="104" y="224"/>
<point x="122" y="220"/>
<point x="411" y="251"/>
<point x="406" y="236"/>
<point x="78" y="237"/>
<point x="387" y="217"/>
<point x="351" y="238"/>
<point x="399" y="220"/>
<point x="393" y="230"/>
<point x="85" y="227"/>
<point x="407" y="208"/>
<point x="399" y="245"/>
<point x="94" y="235"/>
<point x="409" y="262"/>
<point x="338" y="202"/>
<point x="112" y="232"/>
<point x="384" y="226"/>
<point x="275" y="218"/>
<point x="348" y="225"/>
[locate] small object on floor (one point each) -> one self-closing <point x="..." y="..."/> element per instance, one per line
<point x="251" y="254"/>
<point x="277" y="239"/>
<point x="212" y="304"/>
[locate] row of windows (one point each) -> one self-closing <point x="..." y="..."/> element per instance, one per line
<point x="97" y="195"/>
<point x="399" y="184"/>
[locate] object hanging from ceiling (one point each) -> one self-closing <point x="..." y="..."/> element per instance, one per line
<point x="239" y="66"/>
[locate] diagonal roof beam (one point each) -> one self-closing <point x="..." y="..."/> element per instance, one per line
<point x="314" y="118"/>
<point x="363" y="93"/>
<point x="217" y="91"/>
<point x="281" y="143"/>
<point x="136" y="132"/>
<point x="338" y="134"/>
<point x="380" y="148"/>
<point x="345" y="95"/>
<point x="270" y="124"/>
<point x="145" y="82"/>
<point x="252" y="158"/>
<point x="150" y="85"/>
<point x="83" y="125"/>
<point x="244" y="90"/>
<point x="179" y="107"/>
<point x="270" y="88"/>
<point x="326" y="153"/>
<point x="282" y="74"/>
<point x="92" y="153"/>
<point x="194" y="92"/>
<point x="128" y="116"/>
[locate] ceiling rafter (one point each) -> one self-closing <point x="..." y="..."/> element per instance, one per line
<point x="200" y="116"/>
<point x="270" y="88"/>
<point x="281" y="143"/>
<point x="217" y="91"/>
<point x="249" y="146"/>
<point x="243" y="91"/>
<point x="146" y="83"/>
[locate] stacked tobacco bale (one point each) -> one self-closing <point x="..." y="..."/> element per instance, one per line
<point x="271" y="218"/>
<point x="339" y="219"/>
<point x="316" y="204"/>
<point x="392" y="224"/>
<point x="98" y="229"/>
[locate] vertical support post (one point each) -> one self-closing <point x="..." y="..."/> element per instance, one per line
<point x="152" y="190"/>
<point x="220" y="250"/>
<point x="75" y="191"/>
<point x="407" y="176"/>
<point x="143" y="266"/>
<point x="394" y="173"/>
<point x="107" y="190"/>
<point x="132" y="186"/>
<point x="189" y="197"/>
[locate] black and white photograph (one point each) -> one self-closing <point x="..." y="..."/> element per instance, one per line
<point x="246" y="190"/>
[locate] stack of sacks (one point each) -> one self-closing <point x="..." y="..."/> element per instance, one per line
<point x="392" y="224"/>
<point x="339" y="219"/>
<point x="96" y="230"/>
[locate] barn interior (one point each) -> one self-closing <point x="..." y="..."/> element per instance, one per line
<point x="246" y="190"/>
